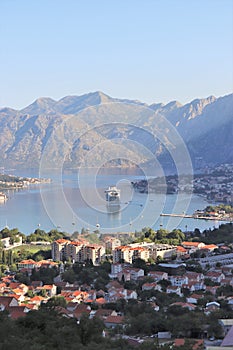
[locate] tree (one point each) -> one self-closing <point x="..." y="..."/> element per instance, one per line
<point x="56" y="301"/>
<point x="22" y="278"/>
<point x="161" y="233"/>
<point x="69" y="276"/>
<point x="177" y="234"/>
<point x="4" y="257"/>
<point x="90" y="329"/>
<point x="140" y="264"/>
<point x="164" y="284"/>
<point x="10" y="258"/>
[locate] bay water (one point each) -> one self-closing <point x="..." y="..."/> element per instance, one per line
<point x="75" y="199"/>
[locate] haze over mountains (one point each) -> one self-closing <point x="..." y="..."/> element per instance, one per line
<point x="95" y="127"/>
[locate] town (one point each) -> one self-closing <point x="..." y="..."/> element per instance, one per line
<point x="215" y="184"/>
<point x="155" y="288"/>
<point x="11" y="182"/>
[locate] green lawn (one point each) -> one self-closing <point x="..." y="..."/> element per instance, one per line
<point x="31" y="248"/>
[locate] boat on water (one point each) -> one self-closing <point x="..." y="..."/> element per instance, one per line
<point x="112" y="195"/>
<point x="3" y="197"/>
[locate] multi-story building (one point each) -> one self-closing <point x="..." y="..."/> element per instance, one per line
<point x="63" y="249"/>
<point x="94" y="252"/>
<point x="111" y="243"/>
<point x="143" y="251"/>
<point x="192" y="247"/>
<point x="73" y="251"/>
<point x="178" y="281"/>
<point x="58" y="248"/>
<point x="123" y="254"/>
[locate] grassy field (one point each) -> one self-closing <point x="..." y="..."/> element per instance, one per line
<point x="32" y="248"/>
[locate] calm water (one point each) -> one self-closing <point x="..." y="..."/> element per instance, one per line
<point x="76" y="199"/>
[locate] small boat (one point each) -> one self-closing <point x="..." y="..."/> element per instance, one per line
<point x="3" y="197"/>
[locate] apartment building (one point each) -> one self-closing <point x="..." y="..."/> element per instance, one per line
<point x="111" y="243"/>
<point x="144" y="251"/>
<point x="63" y="249"/>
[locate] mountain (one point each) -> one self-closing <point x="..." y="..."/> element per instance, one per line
<point x="95" y="129"/>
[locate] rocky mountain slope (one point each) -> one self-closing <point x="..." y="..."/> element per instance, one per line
<point x="95" y="129"/>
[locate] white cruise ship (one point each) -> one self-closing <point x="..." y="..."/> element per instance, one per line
<point x="112" y="195"/>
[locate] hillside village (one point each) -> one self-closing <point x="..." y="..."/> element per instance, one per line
<point x="191" y="280"/>
<point x="215" y="184"/>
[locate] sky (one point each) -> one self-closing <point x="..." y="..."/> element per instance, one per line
<point x="150" y="50"/>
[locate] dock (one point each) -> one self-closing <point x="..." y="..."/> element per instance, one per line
<point x="213" y="218"/>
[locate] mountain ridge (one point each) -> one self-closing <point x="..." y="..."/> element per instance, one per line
<point x="25" y="133"/>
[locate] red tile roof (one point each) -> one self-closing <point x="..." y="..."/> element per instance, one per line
<point x="192" y="244"/>
<point x="114" y="319"/>
<point x="28" y="262"/>
<point x="196" y="346"/>
<point x="101" y="301"/>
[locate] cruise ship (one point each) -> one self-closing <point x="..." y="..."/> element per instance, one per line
<point x="112" y="195"/>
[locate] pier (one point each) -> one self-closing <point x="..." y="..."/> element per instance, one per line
<point x="213" y="218"/>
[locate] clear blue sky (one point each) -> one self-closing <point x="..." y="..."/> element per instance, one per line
<point x="151" y="50"/>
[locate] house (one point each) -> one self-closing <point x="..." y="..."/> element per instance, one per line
<point x="180" y="251"/>
<point x="192" y="246"/>
<point x="100" y="301"/>
<point x="7" y="301"/>
<point x="212" y="289"/>
<point x="120" y="293"/>
<point x="104" y="313"/>
<point x="27" y="264"/>
<point x="80" y="310"/>
<point x="189" y="306"/>
<point x="195" y="276"/>
<point x="19" y="289"/>
<point x="17" y="311"/>
<point x="129" y="274"/>
<point x="113" y="284"/>
<point x="6" y="242"/>
<point x="215" y="276"/>
<point x="209" y="248"/>
<point x="37" y="300"/>
<point x="227" y="270"/>
<point x="130" y="294"/>
<point x="18" y="285"/>
<point x="50" y="289"/>
<point x="227" y="281"/>
<point x="115" y="269"/>
<point x="151" y="286"/>
<point x="212" y="306"/>
<point x="124" y="275"/>
<point x="20" y="297"/>
<point x="193" y="298"/>
<point x="197" y="344"/>
<point x="35" y="284"/>
<point x="174" y="289"/>
<point x="92" y="295"/>
<point x="195" y="285"/>
<point x="178" y="280"/>
<point x="136" y="273"/>
<point x="113" y="321"/>
<point x="158" y="275"/>
<point x="46" y="264"/>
